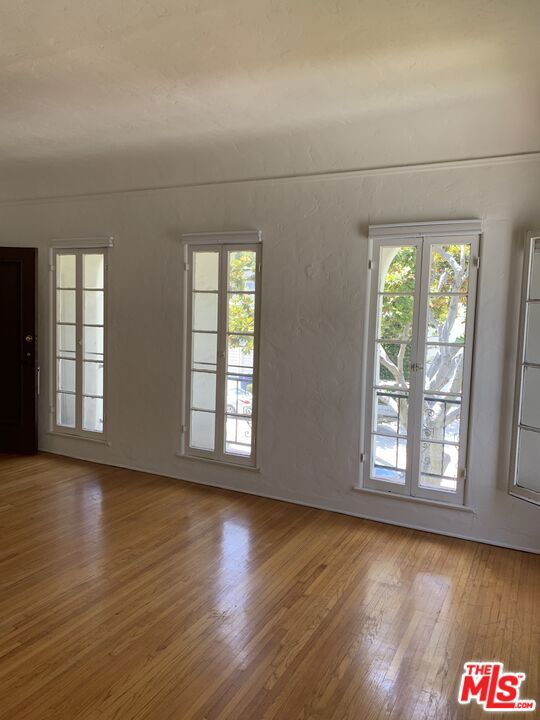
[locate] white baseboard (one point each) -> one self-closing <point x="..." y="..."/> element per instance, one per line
<point x="304" y="503"/>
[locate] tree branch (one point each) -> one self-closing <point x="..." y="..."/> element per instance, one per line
<point x="391" y="367"/>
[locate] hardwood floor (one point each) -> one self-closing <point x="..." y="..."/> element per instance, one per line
<point x="128" y="596"/>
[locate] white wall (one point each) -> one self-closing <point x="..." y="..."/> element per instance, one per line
<point x="314" y="267"/>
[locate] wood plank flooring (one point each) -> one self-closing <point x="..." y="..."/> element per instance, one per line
<point x="130" y="596"/>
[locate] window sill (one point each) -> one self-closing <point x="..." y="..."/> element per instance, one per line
<point x="529" y="496"/>
<point x="74" y="436"/>
<point x="222" y="463"/>
<point x="409" y="498"/>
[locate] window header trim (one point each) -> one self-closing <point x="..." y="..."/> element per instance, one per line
<point x="423" y="229"/>
<point x="81" y="243"/>
<point x="236" y="237"/>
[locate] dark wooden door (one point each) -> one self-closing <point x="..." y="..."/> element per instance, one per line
<point x="18" y="350"/>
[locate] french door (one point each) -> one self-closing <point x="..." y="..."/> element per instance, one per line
<point x="79" y="340"/>
<point x="419" y="358"/>
<point x="223" y="311"/>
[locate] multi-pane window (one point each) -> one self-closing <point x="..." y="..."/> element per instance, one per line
<point x="79" y="340"/>
<point x="222" y="377"/>
<point x="419" y="363"/>
<point x="525" y="470"/>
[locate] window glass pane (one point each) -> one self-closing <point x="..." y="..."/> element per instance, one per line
<point x="530" y="410"/>
<point x="205" y="270"/>
<point x="528" y="474"/>
<point x="444" y="368"/>
<point x="238" y="436"/>
<point x="205" y="311"/>
<point x="393" y="364"/>
<point x="93" y="414"/>
<point x="438" y="466"/>
<point x="203" y="390"/>
<point x="93" y="270"/>
<point x="441" y="418"/>
<point x="447" y="315"/>
<point x="450" y="268"/>
<point x="239" y="399"/>
<point x="432" y="459"/>
<point x="204" y="351"/>
<point x="240" y="354"/>
<point x="93" y="378"/>
<point x="388" y="474"/>
<point x="241" y="270"/>
<point x="65" y="341"/>
<point x="93" y="307"/>
<point x="65" y="271"/>
<point x="202" y="430"/>
<point x="432" y="482"/>
<point x="65" y="410"/>
<point x="395" y="319"/>
<point x="391" y="412"/>
<point x="532" y="350"/>
<point x="397" y="269"/>
<point x="241" y="313"/>
<point x="66" y="375"/>
<point x="389" y="459"/>
<point x="93" y="343"/>
<point x="65" y="306"/>
<point x="534" y="287"/>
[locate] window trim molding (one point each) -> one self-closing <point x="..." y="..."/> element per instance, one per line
<point x="77" y="245"/>
<point x="514" y="489"/>
<point x="229" y="240"/>
<point x="423" y="229"/>
<point x="390" y="234"/>
<point x="81" y="243"/>
<point x="228" y="237"/>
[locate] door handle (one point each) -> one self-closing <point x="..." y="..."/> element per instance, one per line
<point x="28" y="348"/>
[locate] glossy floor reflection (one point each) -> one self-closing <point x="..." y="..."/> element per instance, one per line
<point x="132" y="596"/>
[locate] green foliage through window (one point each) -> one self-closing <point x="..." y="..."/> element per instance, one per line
<point x="241" y="300"/>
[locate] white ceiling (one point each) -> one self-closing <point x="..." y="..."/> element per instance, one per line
<point x="82" y="78"/>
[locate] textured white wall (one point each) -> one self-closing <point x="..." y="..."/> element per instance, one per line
<point x="314" y="268"/>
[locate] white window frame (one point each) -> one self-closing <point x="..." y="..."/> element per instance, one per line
<point x="422" y="236"/>
<point x="514" y="488"/>
<point x="223" y="242"/>
<point x="77" y="247"/>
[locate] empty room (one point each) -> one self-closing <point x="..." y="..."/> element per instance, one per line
<point x="270" y="363"/>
